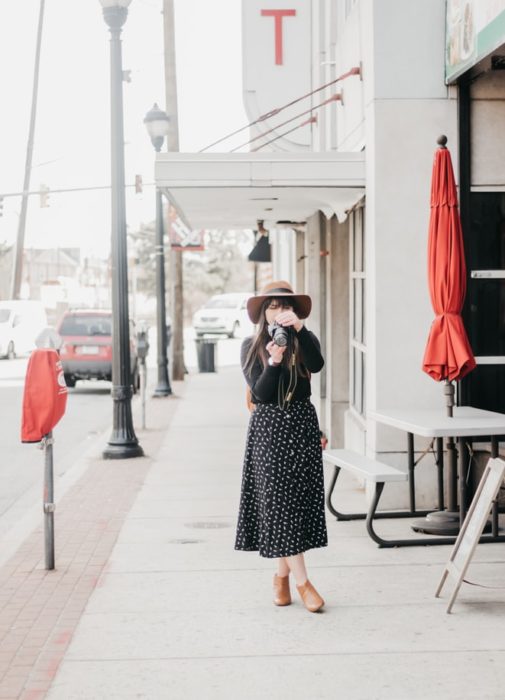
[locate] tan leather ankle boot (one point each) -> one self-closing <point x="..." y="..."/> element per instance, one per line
<point x="282" y="594"/>
<point x="310" y="597"/>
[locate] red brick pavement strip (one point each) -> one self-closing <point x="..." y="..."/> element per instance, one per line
<point x="44" y="607"/>
<point x="39" y="609"/>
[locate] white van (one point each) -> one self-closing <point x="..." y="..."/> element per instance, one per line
<point x="20" y="323"/>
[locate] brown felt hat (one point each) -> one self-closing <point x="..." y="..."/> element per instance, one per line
<point x="302" y="303"/>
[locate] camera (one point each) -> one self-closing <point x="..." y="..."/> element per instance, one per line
<point x="279" y="334"/>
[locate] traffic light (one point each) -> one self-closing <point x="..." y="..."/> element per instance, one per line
<point x="138" y="184"/>
<point x="1" y="205"/>
<point x="44" y="195"/>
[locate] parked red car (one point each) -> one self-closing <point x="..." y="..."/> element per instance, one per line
<point x="86" y="352"/>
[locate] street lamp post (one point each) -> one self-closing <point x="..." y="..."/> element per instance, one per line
<point x="156" y="122"/>
<point x="123" y="442"/>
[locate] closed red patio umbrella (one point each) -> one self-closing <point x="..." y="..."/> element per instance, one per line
<point x="448" y="354"/>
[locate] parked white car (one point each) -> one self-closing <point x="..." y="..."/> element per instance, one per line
<point x="223" y="314"/>
<point x="20" y="324"/>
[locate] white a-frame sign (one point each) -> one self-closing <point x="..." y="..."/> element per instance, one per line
<point x="473" y="526"/>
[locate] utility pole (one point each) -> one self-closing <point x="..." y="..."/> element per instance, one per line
<point x="176" y="277"/>
<point x="20" y="239"/>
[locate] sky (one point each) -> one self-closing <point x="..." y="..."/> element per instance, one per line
<point x="72" y="136"/>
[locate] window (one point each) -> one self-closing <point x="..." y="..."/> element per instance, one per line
<point x="86" y="324"/>
<point x="357" y="311"/>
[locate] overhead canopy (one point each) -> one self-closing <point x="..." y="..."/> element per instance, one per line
<point x="234" y="190"/>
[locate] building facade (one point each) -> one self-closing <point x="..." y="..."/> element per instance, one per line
<point x="360" y="160"/>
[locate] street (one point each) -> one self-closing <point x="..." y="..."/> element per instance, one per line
<point x="89" y="412"/>
<point x="227" y="349"/>
<point x="88" y="415"/>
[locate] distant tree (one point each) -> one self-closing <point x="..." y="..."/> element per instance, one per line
<point x="5" y="269"/>
<point x="222" y="267"/>
<point x="141" y="242"/>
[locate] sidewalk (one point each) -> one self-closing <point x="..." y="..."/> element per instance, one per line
<point x="164" y="608"/>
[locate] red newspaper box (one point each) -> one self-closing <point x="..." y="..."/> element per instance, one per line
<point x="45" y="395"/>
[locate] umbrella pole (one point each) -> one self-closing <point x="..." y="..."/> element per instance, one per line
<point x="452" y="455"/>
<point x="445" y="522"/>
<point x="449" y="398"/>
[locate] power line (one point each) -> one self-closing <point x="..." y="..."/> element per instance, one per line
<point x="72" y="189"/>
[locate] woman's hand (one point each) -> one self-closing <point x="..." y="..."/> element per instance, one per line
<point x="276" y="352"/>
<point x="289" y="318"/>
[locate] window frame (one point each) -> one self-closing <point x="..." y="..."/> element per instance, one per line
<point x="357" y="316"/>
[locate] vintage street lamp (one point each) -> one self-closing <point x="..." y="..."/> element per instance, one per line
<point x="157" y="125"/>
<point x="123" y="442"/>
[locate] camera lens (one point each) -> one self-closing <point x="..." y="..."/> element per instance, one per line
<point x="278" y="334"/>
<point x="281" y="337"/>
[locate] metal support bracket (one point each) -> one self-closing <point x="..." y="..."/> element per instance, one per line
<point x="372" y="515"/>
<point x="362" y="516"/>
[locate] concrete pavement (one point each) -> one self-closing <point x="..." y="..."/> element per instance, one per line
<point x="170" y="610"/>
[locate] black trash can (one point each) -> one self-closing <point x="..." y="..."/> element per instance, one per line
<point x="205" y="353"/>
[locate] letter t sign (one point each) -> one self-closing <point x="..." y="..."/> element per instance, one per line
<point x="278" y="16"/>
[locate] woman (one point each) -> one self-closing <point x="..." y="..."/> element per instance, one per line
<point x="282" y="502"/>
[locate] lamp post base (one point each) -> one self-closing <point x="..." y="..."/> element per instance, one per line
<point x="122" y="451"/>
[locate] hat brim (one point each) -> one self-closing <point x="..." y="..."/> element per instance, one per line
<point x="301" y="302"/>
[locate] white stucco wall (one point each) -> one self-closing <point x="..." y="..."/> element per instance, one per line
<point x="284" y="253"/>
<point x="405" y="107"/>
<point x="409" y="108"/>
<point x="395" y="113"/>
<point x="268" y="85"/>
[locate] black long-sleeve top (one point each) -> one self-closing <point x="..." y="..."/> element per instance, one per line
<point x="264" y="381"/>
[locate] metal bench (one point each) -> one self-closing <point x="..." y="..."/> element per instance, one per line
<point x="380" y="474"/>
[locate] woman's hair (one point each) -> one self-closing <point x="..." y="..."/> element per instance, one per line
<point x="258" y="351"/>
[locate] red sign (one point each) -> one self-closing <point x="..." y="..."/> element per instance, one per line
<point x="278" y="16"/>
<point x="182" y="237"/>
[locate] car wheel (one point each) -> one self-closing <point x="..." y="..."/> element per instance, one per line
<point x="70" y="381"/>
<point x="11" y="353"/>
<point x="233" y="330"/>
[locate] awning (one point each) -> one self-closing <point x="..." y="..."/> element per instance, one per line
<point x="234" y="190"/>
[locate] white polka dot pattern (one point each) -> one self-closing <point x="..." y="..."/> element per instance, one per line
<point x="282" y="501"/>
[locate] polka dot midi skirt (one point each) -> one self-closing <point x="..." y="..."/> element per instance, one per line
<point x="282" y="500"/>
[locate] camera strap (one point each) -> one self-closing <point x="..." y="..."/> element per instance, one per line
<point x="284" y="395"/>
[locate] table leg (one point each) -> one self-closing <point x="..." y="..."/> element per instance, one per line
<point x="440" y="469"/>
<point x="494" y="519"/>
<point x="443" y="522"/>
<point x="452" y="475"/>
<point x="411" y="466"/>
<point x="463" y="470"/>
